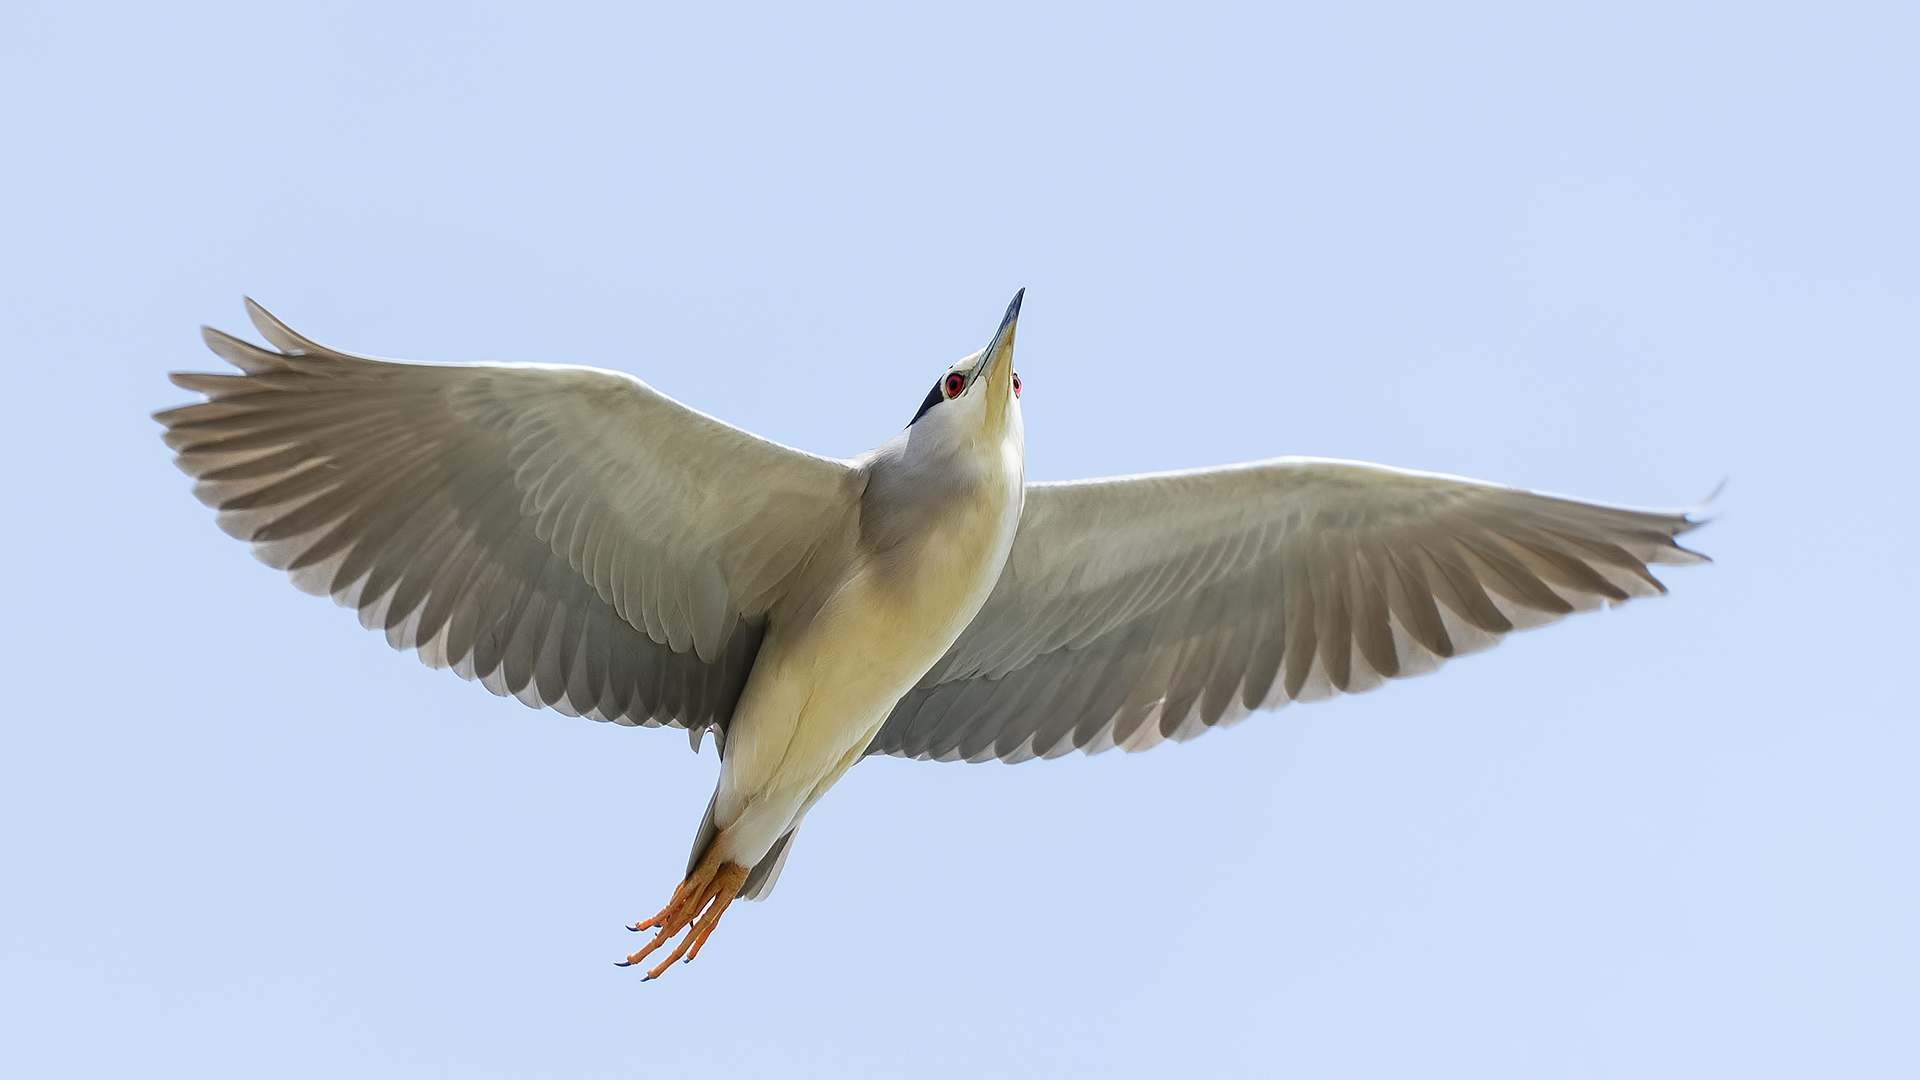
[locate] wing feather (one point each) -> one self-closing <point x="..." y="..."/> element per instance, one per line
<point x="565" y="535"/>
<point x="1141" y="609"/>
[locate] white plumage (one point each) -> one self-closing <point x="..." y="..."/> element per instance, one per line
<point x="573" y="538"/>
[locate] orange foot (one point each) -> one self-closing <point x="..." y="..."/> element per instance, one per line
<point x="698" y="903"/>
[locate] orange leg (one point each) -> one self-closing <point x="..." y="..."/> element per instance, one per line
<point x="696" y="907"/>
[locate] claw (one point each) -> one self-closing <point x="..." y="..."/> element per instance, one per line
<point x="696" y="907"/>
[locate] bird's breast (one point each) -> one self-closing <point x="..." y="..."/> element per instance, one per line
<point x="930" y="552"/>
<point x="823" y="684"/>
<point x="918" y="596"/>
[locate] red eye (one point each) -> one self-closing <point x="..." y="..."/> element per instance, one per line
<point x="1016" y="384"/>
<point x="956" y="382"/>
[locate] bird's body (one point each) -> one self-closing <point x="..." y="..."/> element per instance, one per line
<point x="831" y="670"/>
<point x="568" y="536"/>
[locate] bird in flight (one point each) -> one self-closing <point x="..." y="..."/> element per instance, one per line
<point x="572" y="537"/>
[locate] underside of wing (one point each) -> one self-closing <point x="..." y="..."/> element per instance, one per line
<point x="565" y="535"/>
<point x="1141" y="609"/>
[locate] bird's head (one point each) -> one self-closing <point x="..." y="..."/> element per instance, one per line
<point x="963" y="452"/>
<point x="976" y="400"/>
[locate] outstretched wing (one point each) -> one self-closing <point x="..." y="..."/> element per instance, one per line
<point x="1138" y="609"/>
<point x="563" y="534"/>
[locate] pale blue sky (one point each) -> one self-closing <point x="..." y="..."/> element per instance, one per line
<point x="1617" y="251"/>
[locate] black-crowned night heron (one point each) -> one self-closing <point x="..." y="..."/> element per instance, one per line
<point x="568" y="536"/>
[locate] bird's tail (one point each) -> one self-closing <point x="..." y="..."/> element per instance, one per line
<point x="760" y="881"/>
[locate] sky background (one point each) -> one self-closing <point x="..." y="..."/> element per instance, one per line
<point x="1620" y="251"/>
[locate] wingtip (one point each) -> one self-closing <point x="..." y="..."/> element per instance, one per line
<point x="1694" y="512"/>
<point x="244" y="355"/>
<point x="1691" y="558"/>
<point x="1693" y="518"/>
<point x="280" y="334"/>
<point x="264" y="321"/>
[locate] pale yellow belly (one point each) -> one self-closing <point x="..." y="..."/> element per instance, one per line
<point x="818" y="694"/>
<point x="816" y="699"/>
